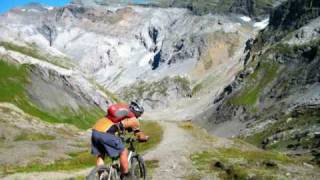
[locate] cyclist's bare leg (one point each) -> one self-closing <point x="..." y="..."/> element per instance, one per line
<point x="100" y="160"/>
<point x="124" y="164"/>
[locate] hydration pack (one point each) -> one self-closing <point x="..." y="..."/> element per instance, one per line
<point x="118" y="112"/>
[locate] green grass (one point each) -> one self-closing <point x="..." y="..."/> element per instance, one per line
<point x="307" y="119"/>
<point x="144" y="89"/>
<point x="13" y="80"/>
<point x="35" y="53"/>
<point x="207" y="61"/>
<point x="22" y="49"/>
<point x="187" y="125"/>
<point x="287" y="49"/>
<point x="199" y="7"/>
<point x="117" y="76"/>
<point x="80" y="160"/>
<point x="154" y="131"/>
<point x="264" y="3"/>
<point x="197" y="131"/>
<point x="239" y="164"/>
<point x="83" y="118"/>
<point x="2" y="141"/>
<point x="30" y="136"/>
<point x="182" y="82"/>
<point x="114" y="98"/>
<point x="254" y="155"/>
<point x="77" y="161"/>
<point x="151" y="166"/>
<point x="196" y="88"/>
<point x="256" y="83"/>
<point x="77" y="178"/>
<point x="282" y="48"/>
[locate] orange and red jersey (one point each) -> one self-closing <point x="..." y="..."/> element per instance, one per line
<point x="116" y="114"/>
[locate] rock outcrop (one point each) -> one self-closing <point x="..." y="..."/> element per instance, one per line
<point x="246" y="7"/>
<point x="277" y="93"/>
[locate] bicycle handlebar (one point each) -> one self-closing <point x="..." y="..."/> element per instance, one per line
<point x="130" y="140"/>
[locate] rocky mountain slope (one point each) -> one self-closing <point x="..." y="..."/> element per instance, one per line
<point x="274" y="101"/>
<point x="25" y="139"/>
<point x="251" y="8"/>
<point x="235" y="75"/>
<point x="170" y="48"/>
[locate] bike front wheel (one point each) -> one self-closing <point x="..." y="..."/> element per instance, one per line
<point x="138" y="169"/>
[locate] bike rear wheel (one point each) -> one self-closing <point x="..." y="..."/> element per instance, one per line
<point x="100" y="173"/>
<point x="138" y="169"/>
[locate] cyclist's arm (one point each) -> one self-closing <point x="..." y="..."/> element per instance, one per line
<point x="131" y="123"/>
<point x="134" y="125"/>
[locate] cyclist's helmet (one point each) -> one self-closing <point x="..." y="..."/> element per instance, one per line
<point x="136" y="108"/>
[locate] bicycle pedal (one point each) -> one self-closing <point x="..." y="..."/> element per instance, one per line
<point x="102" y="172"/>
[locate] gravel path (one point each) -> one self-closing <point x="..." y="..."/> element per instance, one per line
<point x="48" y="175"/>
<point x="173" y="153"/>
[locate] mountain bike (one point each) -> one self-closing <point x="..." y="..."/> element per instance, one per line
<point x="137" y="168"/>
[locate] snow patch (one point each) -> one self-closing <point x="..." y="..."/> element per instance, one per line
<point x="49" y="8"/>
<point x="33" y="10"/>
<point x="145" y="60"/>
<point x="262" y="24"/>
<point x="245" y="18"/>
<point x="124" y="51"/>
<point x="113" y="8"/>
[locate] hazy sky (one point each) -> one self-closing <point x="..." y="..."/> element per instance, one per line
<point x="6" y="5"/>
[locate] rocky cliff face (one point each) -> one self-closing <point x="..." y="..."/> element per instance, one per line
<point x="275" y="99"/>
<point x="246" y="7"/>
<point x="289" y="17"/>
<point x="117" y="47"/>
<point x="252" y="8"/>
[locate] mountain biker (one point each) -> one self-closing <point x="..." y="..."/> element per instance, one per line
<point x="104" y="141"/>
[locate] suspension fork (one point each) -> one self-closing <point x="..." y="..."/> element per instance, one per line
<point x="110" y="172"/>
<point x="131" y="153"/>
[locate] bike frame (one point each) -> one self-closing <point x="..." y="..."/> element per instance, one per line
<point x="113" y="170"/>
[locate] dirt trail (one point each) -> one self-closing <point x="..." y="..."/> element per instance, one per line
<point x="173" y="153"/>
<point x="48" y="175"/>
<point x="175" y="149"/>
